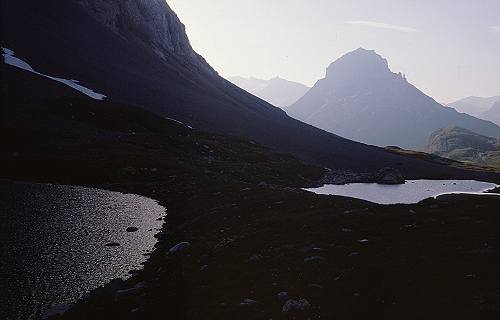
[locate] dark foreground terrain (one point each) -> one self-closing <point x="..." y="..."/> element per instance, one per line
<point x="254" y="245"/>
<point x="257" y="241"/>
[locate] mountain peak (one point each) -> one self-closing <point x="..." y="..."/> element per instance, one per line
<point x="359" y="61"/>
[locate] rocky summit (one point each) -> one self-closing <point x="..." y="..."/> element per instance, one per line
<point x="361" y="99"/>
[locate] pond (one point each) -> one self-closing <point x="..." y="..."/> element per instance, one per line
<point x="413" y="191"/>
<point x="60" y="242"/>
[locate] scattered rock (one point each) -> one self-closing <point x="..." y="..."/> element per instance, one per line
<point x="353" y="254"/>
<point x="295" y="305"/>
<point x="132" y="229"/>
<point x="204" y="267"/>
<point x="248" y="302"/>
<point x="313" y="259"/>
<point x="254" y="258"/>
<point x="363" y="241"/>
<point x="346" y="230"/>
<point x="129" y="170"/>
<point x="180" y="247"/>
<point x="282" y="296"/>
<point x="112" y="244"/>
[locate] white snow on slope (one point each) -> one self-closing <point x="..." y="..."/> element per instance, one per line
<point x="10" y="59"/>
<point x="174" y="120"/>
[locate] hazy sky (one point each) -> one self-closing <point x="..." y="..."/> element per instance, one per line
<point x="450" y="49"/>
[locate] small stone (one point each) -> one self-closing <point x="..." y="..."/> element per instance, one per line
<point x="282" y="295"/>
<point x="204" y="267"/>
<point x="363" y="241"/>
<point x="313" y="259"/>
<point x="254" y="258"/>
<point x="346" y="230"/>
<point x="112" y="244"/>
<point x="296" y="305"/>
<point x="353" y="254"/>
<point x="248" y="302"/>
<point x="179" y="247"/>
<point x="132" y="229"/>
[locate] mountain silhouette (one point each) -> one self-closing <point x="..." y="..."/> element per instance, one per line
<point x="136" y="52"/>
<point x="361" y="99"/>
<point x="475" y="106"/>
<point x="492" y="114"/>
<point x="277" y="91"/>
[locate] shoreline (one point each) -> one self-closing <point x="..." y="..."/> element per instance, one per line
<point x="132" y="287"/>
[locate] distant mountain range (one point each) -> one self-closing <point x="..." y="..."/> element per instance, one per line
<point x="493" y="113"/>
<point x="361" y="99"/>
<point x="277" y="91"/>
<point x="464" y="145"/>
<point x="136" y="52"/>
<point x="475" y="106"/>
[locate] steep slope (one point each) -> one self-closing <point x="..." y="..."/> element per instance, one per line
<point x="277" y="91"/>
<point x="492" y="114"/>
<point x="464" y="145"/>
<point x="475" y="106"/>
<point x="361" y="99"/>
<point x="110" y="46"/>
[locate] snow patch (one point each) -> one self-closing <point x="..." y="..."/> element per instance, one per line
<point x="10" y="59"/>
<point x="174" y="120"/>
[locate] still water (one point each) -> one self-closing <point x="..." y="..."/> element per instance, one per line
<point x="412" y="191"/>
<point x="53" y="243"/>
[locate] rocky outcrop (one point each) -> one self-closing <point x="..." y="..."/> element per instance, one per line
<point x="389" y="176"/>
<point x="151" y="23"/>
<point x="464" y="145"/>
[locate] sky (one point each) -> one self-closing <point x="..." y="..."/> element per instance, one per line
<point x="450" y="49"/>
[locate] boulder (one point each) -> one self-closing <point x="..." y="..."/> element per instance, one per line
<point x="182" y="246"/>
<point x="389" y="176"/>
<point x="295" y="305"/>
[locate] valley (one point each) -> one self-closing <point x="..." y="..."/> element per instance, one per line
<point x="244" y="236"/>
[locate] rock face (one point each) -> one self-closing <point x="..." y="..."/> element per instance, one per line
<point x="361" y="99"/>
<point x="464" y="145"/>
<point x="149" y="22"/>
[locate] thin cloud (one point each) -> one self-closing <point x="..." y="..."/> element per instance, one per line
<point x="382" y="25"/>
